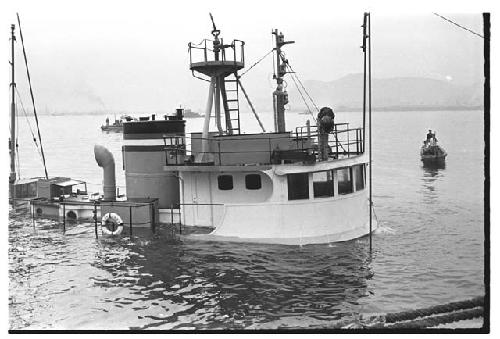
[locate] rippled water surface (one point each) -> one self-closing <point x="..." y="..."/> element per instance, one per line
<point x="429" y="248"/>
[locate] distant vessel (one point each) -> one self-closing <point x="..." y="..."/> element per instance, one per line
<point x="117" y="125"/>
<point x="431" y="153"/>
<point x="190" y="114"/>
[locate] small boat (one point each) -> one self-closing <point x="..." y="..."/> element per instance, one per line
<point x="430" y="152"/>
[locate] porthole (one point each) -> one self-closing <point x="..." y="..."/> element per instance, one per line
<point x="253" y="182"/>
<point x="225" y="182"/>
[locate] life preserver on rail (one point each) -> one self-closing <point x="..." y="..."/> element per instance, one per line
<point x="112" y="224"/>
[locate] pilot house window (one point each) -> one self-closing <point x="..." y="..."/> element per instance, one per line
<point x="253" y="182"/>
<point x="359" y="176"/>
<point x="323" y="184"/>
<point x="298" y="186"/>
<point x="225" y="182"/>
<point x="344" y="177"/>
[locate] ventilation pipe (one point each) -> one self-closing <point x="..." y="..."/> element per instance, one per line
<point x="105" y="160"/>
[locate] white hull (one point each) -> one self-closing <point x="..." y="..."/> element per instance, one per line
<point x="268" y="216"/>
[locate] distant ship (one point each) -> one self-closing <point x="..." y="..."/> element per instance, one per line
<point x="117" y="125"/>
<point x="190" y="114"/>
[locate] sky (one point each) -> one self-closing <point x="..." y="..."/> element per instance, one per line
<point x="122" y="56"/>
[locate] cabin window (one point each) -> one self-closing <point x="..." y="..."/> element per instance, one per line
<point x="253" y="182"/>
<point x="359" y="177"/>
<point x="225" y="182"/>
<point x="323" y="184"/>
<point x="298" y="186"/>
<point x="344" y="177"/>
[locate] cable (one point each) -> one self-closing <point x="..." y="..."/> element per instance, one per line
<point x="255" y="64"/>
<point x="460" y="26"/>
<point x="302" y="85"/>
<point x="32" y="96"/>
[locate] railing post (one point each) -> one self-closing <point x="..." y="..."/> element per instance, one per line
<point x="95" y="219"/>
<point x="130" y="221"/>
<point x="152" y="213"/>
<point x="205" y="50"/>
<point x="32" y="209"/>
<point x="171" y="214"/>
<point x="270" y="151"/>
<point x="218" y="146"/>
<point x="64" y="218"/>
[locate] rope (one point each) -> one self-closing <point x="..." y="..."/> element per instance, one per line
<point x="430" y="316"/>
<point x="460" y="26"/>
<point x="28" y="121"/>
<point x="255" y="64"/>
<point x="408" y="315"/>
<point x="441" y="319"/>
<point x="302" y="96"/>
<point x="32" y="96"/>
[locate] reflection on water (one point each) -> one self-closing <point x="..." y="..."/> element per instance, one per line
<point x="165" y="282"/>
<point x="432" y="255"/>
<point x="432" y="174"/>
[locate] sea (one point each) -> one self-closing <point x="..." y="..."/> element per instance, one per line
<point x="428" y="250"/>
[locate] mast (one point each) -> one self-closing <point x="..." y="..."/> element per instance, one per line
<point x="12" y="141"/>
<point x="280" y="96"/>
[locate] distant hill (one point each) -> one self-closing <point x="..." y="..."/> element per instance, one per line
<point x="397" y="93"/>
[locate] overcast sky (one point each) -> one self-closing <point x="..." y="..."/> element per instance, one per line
<point x="87" y="55"/>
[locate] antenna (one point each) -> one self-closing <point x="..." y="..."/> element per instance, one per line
<point x="215" y="31"/>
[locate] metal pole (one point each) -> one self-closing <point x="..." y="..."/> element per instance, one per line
<point x="370" y="120"/>
<point x="95" y="219"/>
<point x="152" y="214"/>
<point x="12" y="177"/>
<point x="32" y="208"/>
<point x="64" y="218"/>
<point x="364" y="79"/>
<point x="130" y="221"/>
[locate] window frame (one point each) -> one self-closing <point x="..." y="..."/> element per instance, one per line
<point x="253" y="175"/>
<point x="349" y="172"/>
<point x="304" y="195"/>
<point x="332" y="184"/>
<point x="219" y="177"/>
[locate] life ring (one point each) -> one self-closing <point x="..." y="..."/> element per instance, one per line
<point x="112" y="224"/>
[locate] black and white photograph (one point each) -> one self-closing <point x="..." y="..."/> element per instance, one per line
<point x="246" y="167"/>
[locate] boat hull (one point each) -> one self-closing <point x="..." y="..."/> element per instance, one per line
<point x="331" y="220"/>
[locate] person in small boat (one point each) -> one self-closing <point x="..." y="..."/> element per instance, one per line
<point x="430" y="135"/>
<point x="431" y="138"/>
<point x="107" y="121"/>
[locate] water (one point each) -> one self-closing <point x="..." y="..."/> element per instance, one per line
<point x="429" y="249"/>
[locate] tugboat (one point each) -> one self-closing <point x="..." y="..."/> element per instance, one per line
<point x="296" y="187"/>
<point x="431" y="154"/>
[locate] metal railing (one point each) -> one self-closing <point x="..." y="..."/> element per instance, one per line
<point x="343" y="142"/>
<point x="200" y="52"/>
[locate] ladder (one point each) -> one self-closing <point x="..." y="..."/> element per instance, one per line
<point x="230" y="99"/>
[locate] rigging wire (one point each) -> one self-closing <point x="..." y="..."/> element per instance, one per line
<point x="303" y="98"/>
<point x="458" y="25"/>
<point x="32" y="96"/>
<point x="27" y="120"/>
<point x="255" y="64"/>
<point x="300" y="82"/>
